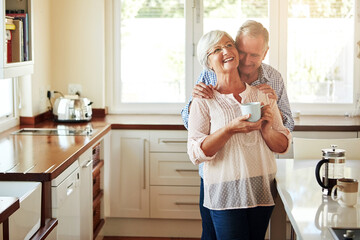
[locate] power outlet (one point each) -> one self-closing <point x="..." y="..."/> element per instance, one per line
<point x="74" y="89"/>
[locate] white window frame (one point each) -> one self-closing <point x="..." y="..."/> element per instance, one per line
<point x="113" y="56"/>
<point x="278" y="13"/>
<point x="13" y="120"/>
<point x="281" y="35"/>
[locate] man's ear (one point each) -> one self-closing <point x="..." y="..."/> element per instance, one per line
<point x="266" y="51"/>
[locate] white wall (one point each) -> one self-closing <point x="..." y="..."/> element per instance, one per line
<point x="77" y="47"/>
<point x="68" y="48"/>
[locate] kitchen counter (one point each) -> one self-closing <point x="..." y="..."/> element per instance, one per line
<point x="8" y="205"/>
<point x="174" y="122"/>
<point x="310" y="212"/>
<point x="43" y="158"/>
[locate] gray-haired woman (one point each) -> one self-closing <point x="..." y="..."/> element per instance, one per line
<point x="240" y="165"/>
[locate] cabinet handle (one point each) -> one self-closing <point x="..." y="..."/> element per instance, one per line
<point x="173" y="140"/>
<point x="186" y="203"/>
<point x="144" y="163"/>
<point x="187" y="170"/>
<point x="88" y="163"/>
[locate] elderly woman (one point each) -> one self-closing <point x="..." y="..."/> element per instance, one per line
<point x="240" y="165"/>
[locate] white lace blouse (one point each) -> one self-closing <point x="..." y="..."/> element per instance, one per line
<point x="241" y="174"/>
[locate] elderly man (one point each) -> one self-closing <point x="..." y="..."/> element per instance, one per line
<point x="252" y="44"/>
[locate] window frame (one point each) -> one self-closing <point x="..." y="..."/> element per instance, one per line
<point x="13" y="120"/>
<point x="315" y="108"/>
<point x="113" y="51"/>
<point x="278" y="13"/>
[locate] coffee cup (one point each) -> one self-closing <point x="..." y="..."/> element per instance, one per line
<point x="346" y="192"/>
<point x="252" y="108"/>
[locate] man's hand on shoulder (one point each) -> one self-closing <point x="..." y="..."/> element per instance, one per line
<point x="267" y="90"/>
<point x="201" y="90"/>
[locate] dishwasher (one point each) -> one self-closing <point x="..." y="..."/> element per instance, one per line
<point x="65" y="197"/>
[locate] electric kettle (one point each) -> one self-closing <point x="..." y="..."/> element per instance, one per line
<point x="72" y="109"/>
<point x="334" y="165"/>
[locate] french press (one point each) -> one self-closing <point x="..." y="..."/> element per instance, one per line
<point x="334" y="165"/>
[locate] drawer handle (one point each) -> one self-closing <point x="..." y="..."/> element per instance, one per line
<point x="186" y="170"/>
<point x="186" y="203"/>
<point x="173" y="141"/>
<point x="88" y="163"/>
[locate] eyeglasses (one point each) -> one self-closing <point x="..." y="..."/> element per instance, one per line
<point x="219" y="49"/>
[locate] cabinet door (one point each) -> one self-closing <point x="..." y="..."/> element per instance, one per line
<point x="86" y="196"/>
<point x="129" y="178"/>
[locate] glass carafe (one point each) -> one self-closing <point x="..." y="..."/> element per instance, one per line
<point x="330" y="168"/>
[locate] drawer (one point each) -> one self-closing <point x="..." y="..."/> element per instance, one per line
<point x="174" y="202"/>
<point x="168" y="141"/>
<point x="173" y="169"/>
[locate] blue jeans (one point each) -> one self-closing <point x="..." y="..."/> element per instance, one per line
<point x="234" y="224"/>
<point x="208" y="230"/>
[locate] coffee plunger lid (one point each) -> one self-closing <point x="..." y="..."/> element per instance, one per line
<point x="333" y="152"/>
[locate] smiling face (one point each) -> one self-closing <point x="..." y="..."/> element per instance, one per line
<point x="252" y="52"/>
<point x="223" y="57"/>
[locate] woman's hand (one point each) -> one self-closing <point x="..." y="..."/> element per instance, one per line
<point x="215" y="141"/>
<point x="275" y="140"/>
<point x="267" y="117"/>
<point x="241" y="125"/>
<point x="201" y="90"/>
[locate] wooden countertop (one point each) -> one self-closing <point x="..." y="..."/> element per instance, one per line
<point x="8" y="205"/>
<point x="174" y="122"/>
<point x="327" y="123"/>
<point x="43" y="158"/>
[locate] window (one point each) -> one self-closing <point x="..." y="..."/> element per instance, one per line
<point x="320" y="55"/>
<point x="153" y="48"/>
<point x="156" y="29"/>
<point x="228" y="17"/>
<point x="7" y="113"/>
<point x="152" y="64"/>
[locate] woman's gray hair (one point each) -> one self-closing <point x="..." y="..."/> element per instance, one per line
<point x="254" y="29"/>
<point x="206" y="42"/>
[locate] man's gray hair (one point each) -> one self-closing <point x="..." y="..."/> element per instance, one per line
<point x="208" y="41"/>
<point x="254" y="29"/>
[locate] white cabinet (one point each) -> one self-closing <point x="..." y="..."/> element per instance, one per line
<point x="86" y="196"/>
<point x="151" y="175"/>
<point x="174" y="202"/>
<point x="21" y="53"/>
<point x="174" y="180"/>
<point x="171" y="169"/>
<point x="129" y="174"/>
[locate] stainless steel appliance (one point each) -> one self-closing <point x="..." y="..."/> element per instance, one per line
<point x="72" y="109"/>
<point x="334" y="160"/>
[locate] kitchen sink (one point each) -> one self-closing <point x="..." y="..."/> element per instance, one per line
<point x="25" y="221"/>
<point x="66" y="131"/>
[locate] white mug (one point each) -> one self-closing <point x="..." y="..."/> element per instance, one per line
<point x="252" y="108"/>
<point x="347" y="192"/>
